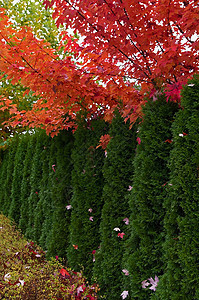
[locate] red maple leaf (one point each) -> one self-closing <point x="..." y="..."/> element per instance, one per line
<point x="168" y="141"/>
<point x="104" y="140"/>
<point x="64" y="273"/>
<point x="121" y="235"/>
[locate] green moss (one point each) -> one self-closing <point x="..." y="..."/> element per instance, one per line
<point x="26" y="274"/>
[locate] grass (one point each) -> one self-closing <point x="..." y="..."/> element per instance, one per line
<point x="26" y="274"/>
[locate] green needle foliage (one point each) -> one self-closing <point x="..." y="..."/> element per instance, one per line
<point x="144" y="249"/>
<point x="117" y="171"/>
<point x="46" y="195"/>
<point x="61" y="190"/>
<point x="44" y="189"/>
<point x="3" y="174"/>
<point x="181" y="279"/>
<point x="14" y="210"/>
<point x="87" y="182"/>
<point x="25" y="183"/>
<point x="9" y="176"/>
<point x="35" y="178"/>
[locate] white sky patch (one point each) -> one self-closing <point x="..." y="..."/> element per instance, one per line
<point x="15" y="2"/>
<point x="71" y="33"/>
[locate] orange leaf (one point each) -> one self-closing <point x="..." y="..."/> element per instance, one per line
<point x="104" y="140"/>
<point x="64" y="273"/>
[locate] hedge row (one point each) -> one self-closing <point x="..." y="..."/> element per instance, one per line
<point x="128" y="216"/>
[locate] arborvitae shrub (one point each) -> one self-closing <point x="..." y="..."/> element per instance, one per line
<point x="10" y="170"/>
<point x="117" y="171"/>
<point x="46" y="196"/>
<point x="44" y="189"/>
<point x="3" y="175"/>
<point x="61" y="189"/>
<point x="35" y="179"/>
<point x="181" y="278"/>
<point x="25" y="184"/>
<point x="87" y="182"/>
<point x="144" y="247"/>
<point x="14" y="210"/>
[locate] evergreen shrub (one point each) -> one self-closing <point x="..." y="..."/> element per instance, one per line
<point x="35" y="179"/>
<point x="143" y="257"/>
<point x="3" y="175"/>
<point x="86" y="202"/>
<point x="46" y="195"/>
<point x="117" y="172"/>
<point x="43" y="190"/>
<point x="181" y="277"/>
<point x="61" y="192"/>
<point x="25" y="183"/>
<point x="15" y="205"/>
<point x="7" y="187"/>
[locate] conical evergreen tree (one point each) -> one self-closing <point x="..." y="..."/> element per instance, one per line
<point x="87" y="182"/>
<point x="46" y="201"/>
<point x="14" y="210"/>
<point x="43" y="188"/>
<point x="25" y="184"/>
<point x="3" y="175"/>
<point x="143" y="256"/>
<point x="35" y="179"/>
<point x="181" y="278"/>
<point x="118" y="172"/>
<point x="10" y="170"/>
<point x="61" y="190"/>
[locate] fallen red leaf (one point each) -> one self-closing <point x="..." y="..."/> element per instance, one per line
<point x="168" y="141"/>
<point x="64" y="273"/>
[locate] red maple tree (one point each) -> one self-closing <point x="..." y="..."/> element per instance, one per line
<point x="153" y="42"/>
<point x="131" y="49"/>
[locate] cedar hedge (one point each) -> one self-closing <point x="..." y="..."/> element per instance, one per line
<point x="117" y="171"/>
<point x="41" y="178"/>
<point x="144" y="248"/>
<point x="180" y="280"/>
<point x="86" y="202"/>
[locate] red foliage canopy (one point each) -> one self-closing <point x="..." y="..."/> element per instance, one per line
<point x="153" y="44"/>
